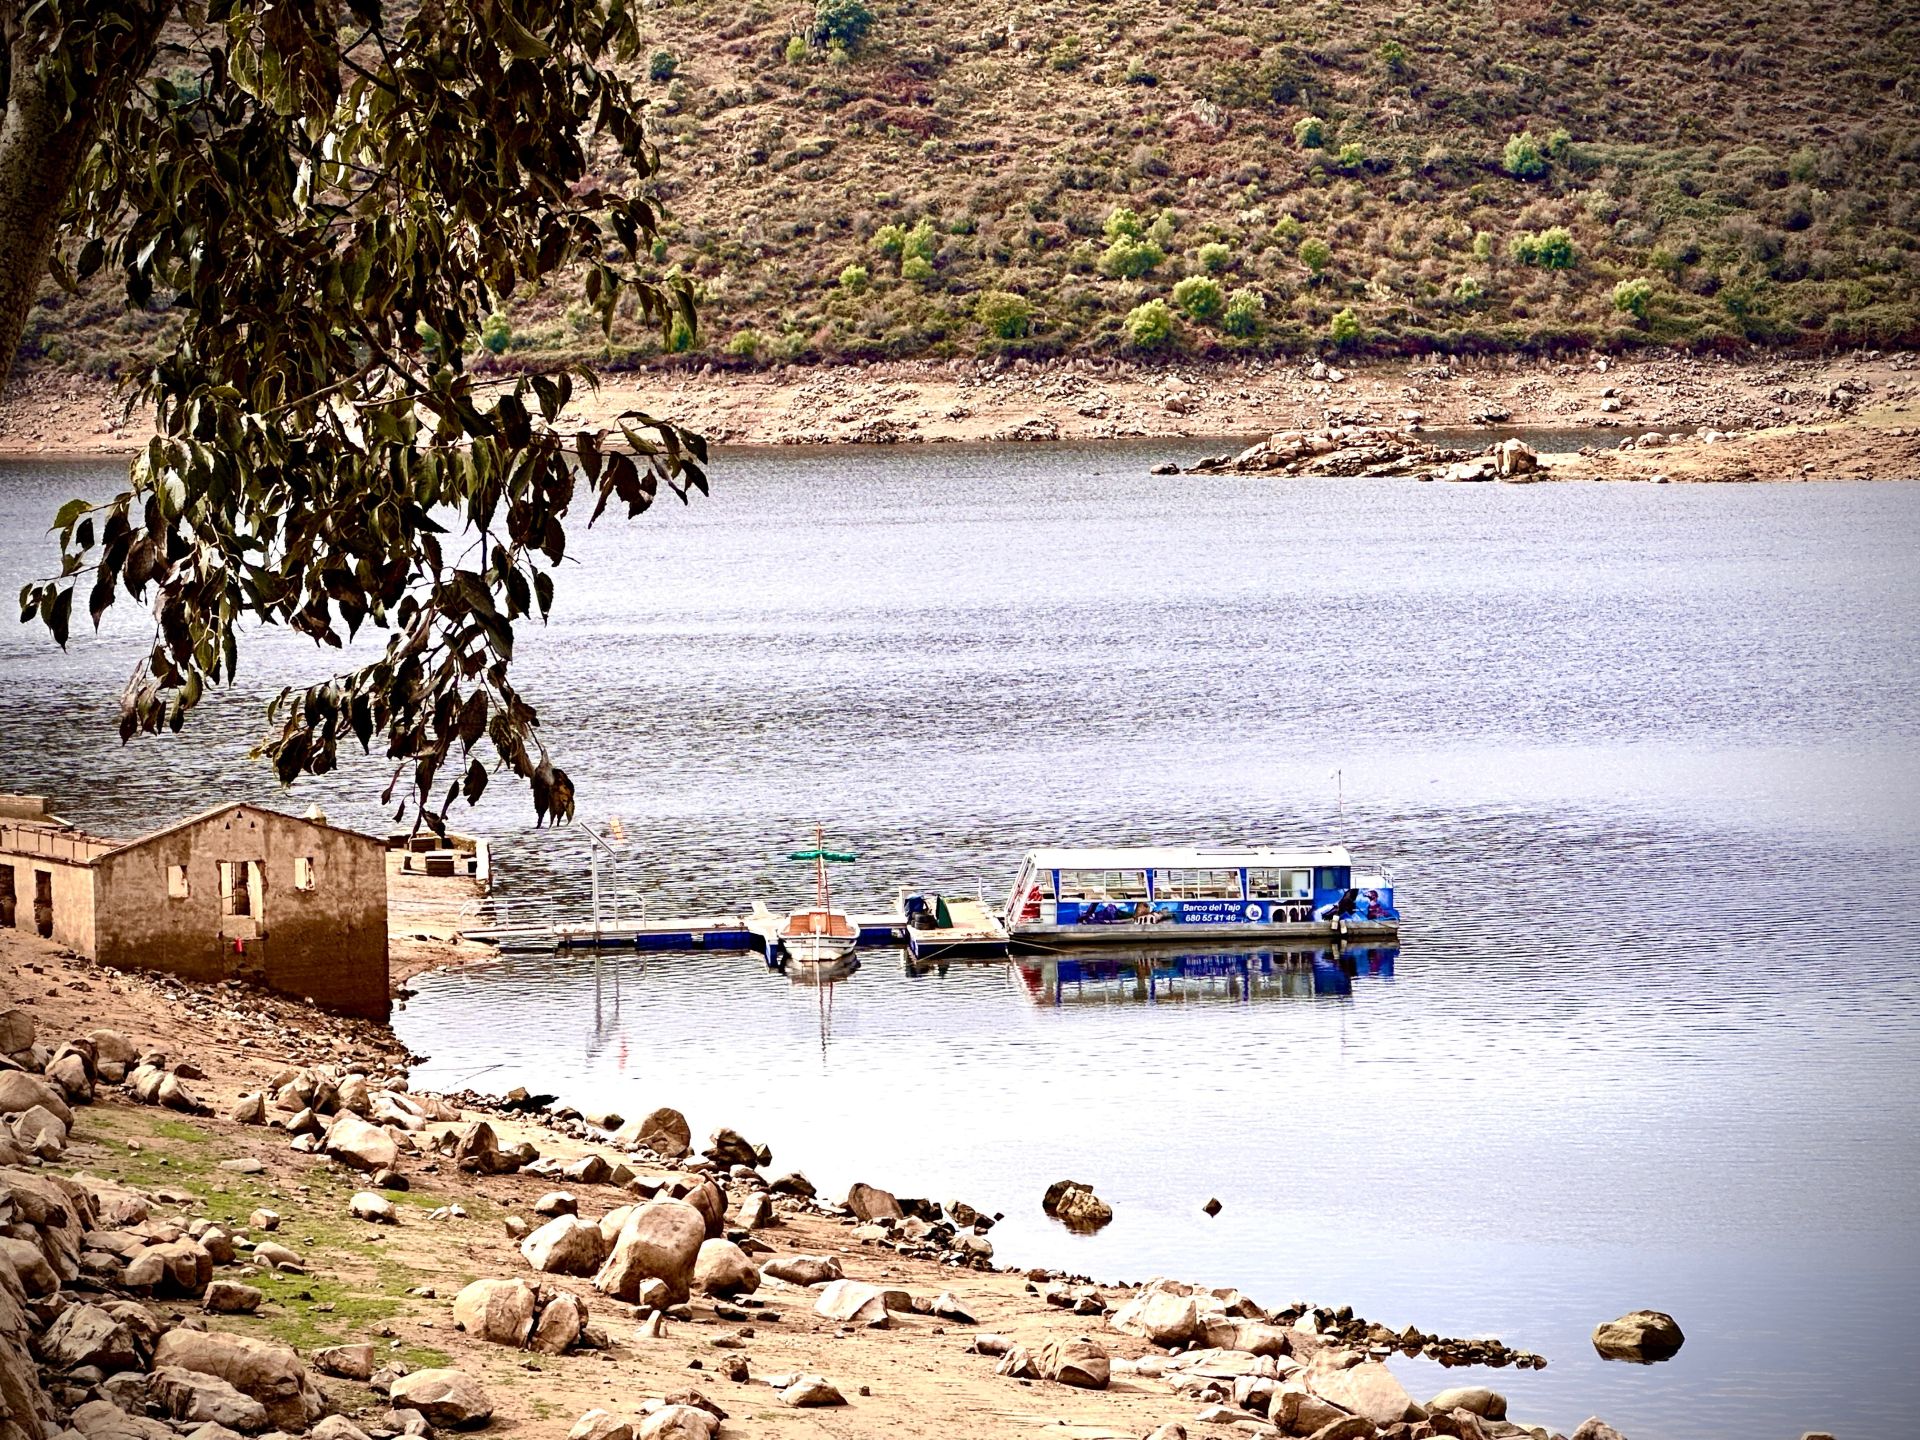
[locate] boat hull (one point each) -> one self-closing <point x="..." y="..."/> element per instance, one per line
<point x="821" y="950"/>
<point x="1030" y="938"/>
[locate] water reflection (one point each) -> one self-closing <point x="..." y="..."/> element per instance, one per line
<point x="1235" y="977"/>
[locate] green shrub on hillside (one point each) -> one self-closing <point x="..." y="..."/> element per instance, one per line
<point x="496" y="332"/>
<point x="1468" y="291"/>
<point x="1522" y="158"/>
<point x="917" y="268"/>
<point x="1287" y="230"/>
<point x="1124" y="221"/>
<point x="890" y="241"/>
<point x="1066" y="55"/>
<point x="1344" y="327"/>
<point x="1633" y="296"/>
<point x="922" y="242"/>
<point x="1004" y="314"/>
<point x="661" y="65"/>
<point x="1161" y="231"/>
<point x="796" y="49"/>
<point x="1199" y="297"/>
<point x="1150" y="326"/>
<point x="679" y="337"/>
<point x="1213" y="257"/>
<point x="1130" y="259"/>
<point x="854" y="279"/>
<point x="844" y="21"/>
<point x="1246" y="311"/>
<point x="1353" y="155"/>
<point x="1393" y="55"/>
<point x="1549" y="249"/>
<point x="745" y="345"/>
<point x="1315" y="254"/>
<point x="1483" y="245"/>
<point x="1310" y="133"/>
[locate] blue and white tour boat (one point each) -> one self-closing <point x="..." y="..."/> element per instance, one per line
<point x="1150" y="894"/>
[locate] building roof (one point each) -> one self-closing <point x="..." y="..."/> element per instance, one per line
<point x="1157" y="857"/>
<point x="236" y="806"/>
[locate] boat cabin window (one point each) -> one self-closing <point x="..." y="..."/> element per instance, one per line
<point x="1280" y="884"/>
<point x="1103" y="884"/>
<point x="1196" y="884"/>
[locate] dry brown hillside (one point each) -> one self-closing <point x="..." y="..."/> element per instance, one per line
<point x="1689" y="173"/>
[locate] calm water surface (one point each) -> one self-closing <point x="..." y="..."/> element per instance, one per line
<point x="1641" y="760"/>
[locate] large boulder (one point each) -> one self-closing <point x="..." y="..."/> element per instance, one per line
<point x="353" y="1141"/>
<point x="561" y="1321"/>
<point x="1368" y="1389"/>
<point x="499" y="1311"/>
<point x="38" y="1131"/>
<point x="803" y="1269"/>
<point x="853" y="1302"/>
<point x="178" y="1267"/>
<point x="660" y="1241"/>
<point x="677" y="1422"/>
<point x="565" y="1245"/>
<point x="16" y="1031"/>
<point x="869" y="1202"/>
<point x="728" y="1148"/>
<point x="711" y="1201"/>
<point x="448" y="1398"/>
<point x="477" y="1149"/>
<point x="722" y="1268"/>
<point x="20" y="1092"/>
<point x="1644" y="1336"/>
<point x="1161" y="1316"/>
<point x="1073" y="1204"/>
<point x="599" y="1424"/>
<point x="348" y="1362"/>
<point x="269" y="1372"/>
<point x="1079" y="1362"/>
<point x="88" y="1335"/>
<point x="191" y="1396"/>
<point x="1488" y="1404"/>
<point x="665" y="1132"/>
<point x="230" y="1297"/>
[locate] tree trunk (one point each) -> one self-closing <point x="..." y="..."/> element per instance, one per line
<point x="42" y="142"/>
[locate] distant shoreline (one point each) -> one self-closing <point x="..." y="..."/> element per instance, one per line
<point x="1853" y="416"/>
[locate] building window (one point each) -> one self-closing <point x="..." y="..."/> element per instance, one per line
<point x="177" y="882"/>
<point x="303" y="872"/>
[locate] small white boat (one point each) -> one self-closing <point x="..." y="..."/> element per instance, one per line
<point x="819" y="934"/>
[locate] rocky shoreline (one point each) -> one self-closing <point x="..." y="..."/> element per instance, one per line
<point x="264" y="1230"/>
<point x="1850" y="415"/>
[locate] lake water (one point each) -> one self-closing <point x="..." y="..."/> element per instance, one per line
<point x="1642" y="761"/>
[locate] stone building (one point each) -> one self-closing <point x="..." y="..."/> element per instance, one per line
<point x="236" y="892"/>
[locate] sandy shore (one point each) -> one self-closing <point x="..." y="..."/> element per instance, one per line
<point x="1833" y="414"/>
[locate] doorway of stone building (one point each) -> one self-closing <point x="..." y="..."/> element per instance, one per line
<point x="43" y="903"/>
<point x="243" y="885"/>
<point x="9" y="900"/>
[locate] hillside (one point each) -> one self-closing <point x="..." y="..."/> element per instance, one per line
<point x="1693" y="176"/>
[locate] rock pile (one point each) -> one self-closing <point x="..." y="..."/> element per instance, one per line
<point x="1371" y="450"/>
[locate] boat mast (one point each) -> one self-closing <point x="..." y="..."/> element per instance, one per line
<point x="820" y="866"/>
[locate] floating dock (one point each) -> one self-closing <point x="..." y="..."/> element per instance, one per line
<point x="950" y="929"/>
<point x="750" y="932"/>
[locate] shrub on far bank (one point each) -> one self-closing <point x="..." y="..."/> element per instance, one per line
<point x="1522" y="158"/>
<point x="1128" y="259"/>
<point x="1150" y="326"/>
<point x="1199" y="297"/>
<point x="916" y="268"/>
<point x="845" y="22"/>
<point x="854" y="279"/>
<point x="1213" y="257"/>
<point x="661" y="65"/>
<point x="1310" y="133"/>
<point x="1004" y="314"/>
<point x="1549" y="249"/>
<point x="744" y="345"/>
<point x="1315" y="254"/>
<point x="1124" y="222"/>
<point x="1344" y="327"/>
<point x="1633" y="296"/>
<point x="796" y="49"/>
<point x="1246" y="311"/>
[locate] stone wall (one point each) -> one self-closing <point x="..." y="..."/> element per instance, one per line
<point x="327" y="943"/>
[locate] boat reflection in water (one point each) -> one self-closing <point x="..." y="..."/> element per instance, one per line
<point x="1238" y="976"/>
